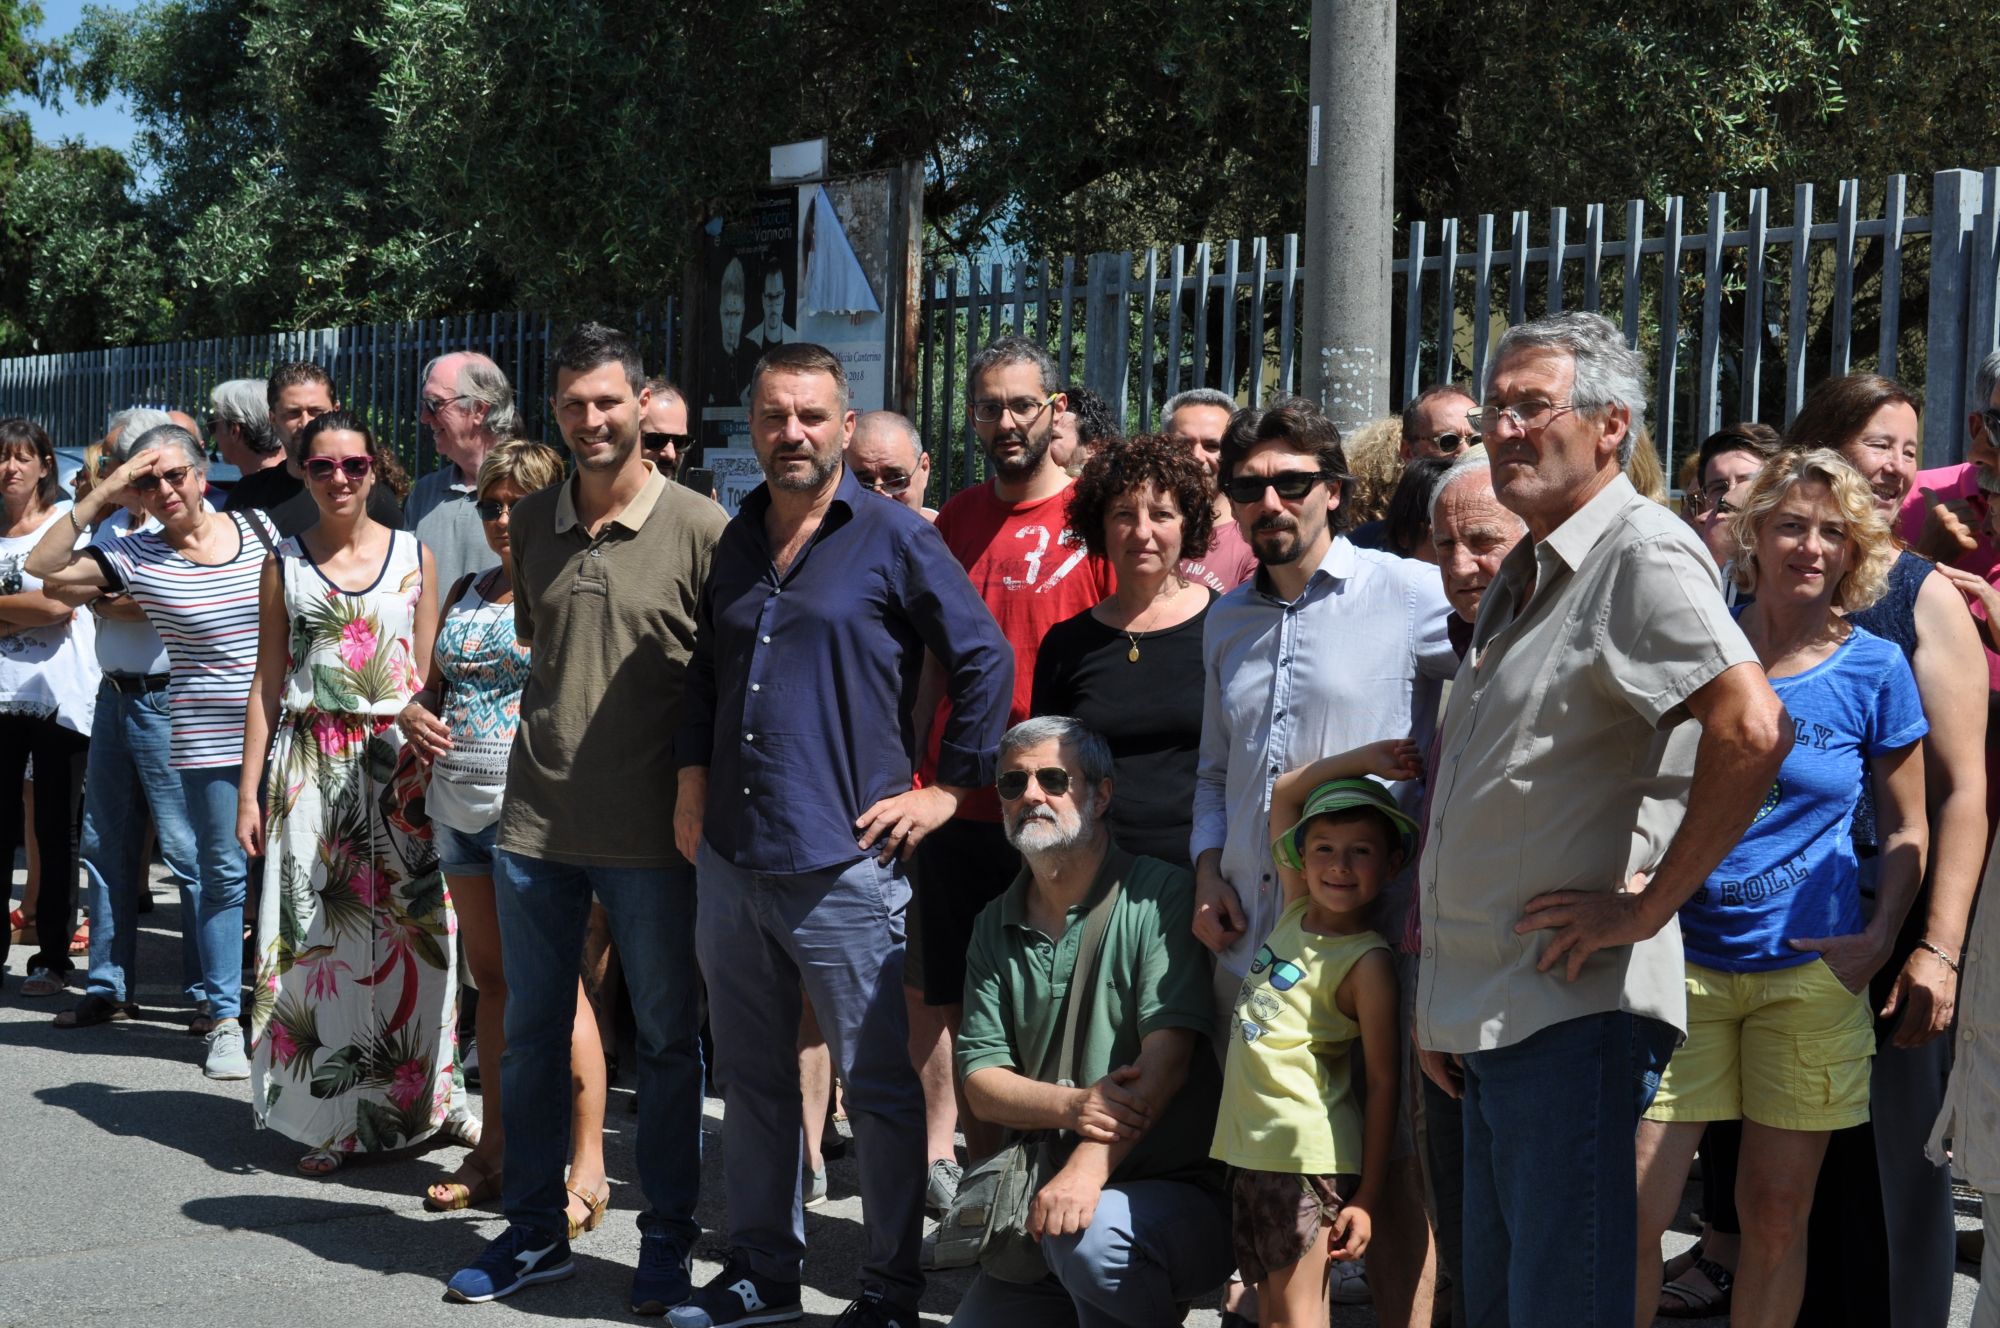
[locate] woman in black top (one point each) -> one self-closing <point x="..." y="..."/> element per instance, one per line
<point x="1130" y="667"/>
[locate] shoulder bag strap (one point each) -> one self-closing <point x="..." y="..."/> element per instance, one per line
<point x="1082" y="979"/>
<point x="255" y="520"/>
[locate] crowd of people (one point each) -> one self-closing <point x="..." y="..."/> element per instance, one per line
<point x="1310" y="870"/>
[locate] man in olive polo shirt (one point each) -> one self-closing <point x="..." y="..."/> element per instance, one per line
<point x="1136" y="1223"/>
<point x="1608" y="739"/>
<point x="608" y="569"/>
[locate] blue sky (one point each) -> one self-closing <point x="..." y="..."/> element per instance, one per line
<point x="109" y="125"/>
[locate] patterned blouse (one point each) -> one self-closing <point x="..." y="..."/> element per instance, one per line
<point x="484" y="669"/>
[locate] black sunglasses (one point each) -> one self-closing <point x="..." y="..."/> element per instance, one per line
<point x="660" y="442"/>
<point x="490" y="509"/>
<point x="148" y="483"/>
<point x="1013" y="783"/>
<point x="1292" y="485"/>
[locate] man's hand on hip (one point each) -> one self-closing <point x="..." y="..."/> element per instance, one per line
<point x="900" y="823"/>
<point x="1586" y="921"/>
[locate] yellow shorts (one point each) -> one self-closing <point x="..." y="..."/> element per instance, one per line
<point x="1788" y="1048"/>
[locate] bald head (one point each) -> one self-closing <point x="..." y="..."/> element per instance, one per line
<point x="886" y="454"/>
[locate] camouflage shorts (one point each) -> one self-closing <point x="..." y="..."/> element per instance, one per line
<point x="1275" y="1216"/>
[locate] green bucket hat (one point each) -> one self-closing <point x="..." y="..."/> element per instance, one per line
<point x="1337" y="795"/>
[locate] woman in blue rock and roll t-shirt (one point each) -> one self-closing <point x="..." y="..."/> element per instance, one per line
<point x="1779" y="947"/>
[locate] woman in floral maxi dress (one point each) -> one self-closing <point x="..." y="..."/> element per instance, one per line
<point x="353" y="1018"/>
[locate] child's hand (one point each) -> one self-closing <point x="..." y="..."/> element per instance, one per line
<point x="1351" y="1231"/>
<point x="1395" y="759"/>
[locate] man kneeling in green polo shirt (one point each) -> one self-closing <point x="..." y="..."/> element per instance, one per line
<point x="1135" y="1224"/>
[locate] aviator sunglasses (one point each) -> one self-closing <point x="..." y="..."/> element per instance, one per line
<point x="1013" y="783"/>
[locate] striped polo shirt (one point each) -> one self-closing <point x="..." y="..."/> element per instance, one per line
<point x="206" y="614"/>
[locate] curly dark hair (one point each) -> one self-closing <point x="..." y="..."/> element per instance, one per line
<point x="1124" y="464"/>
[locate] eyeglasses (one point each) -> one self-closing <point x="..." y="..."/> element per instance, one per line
<point x="321" y="468"/>
<point x="1527" y="416"/>
<point x="173" y="478"/>
<point x="889" y="486"/>
<point x="1992" y="420"/>
<point x="432" y="405"/>
<point x="660" y="442"/>
<point x="1291" y="485"/>
<point x="1013" y="783"/>
<point x="1022" y="409"/>
<point x="492" y="509"/>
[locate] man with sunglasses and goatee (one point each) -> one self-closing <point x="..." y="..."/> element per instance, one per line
<point x="1327" y="647"/>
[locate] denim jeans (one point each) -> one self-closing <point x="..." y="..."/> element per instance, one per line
<point x="1551" y="1193"/>
<point x="129" y="773"/>
<point x="544" y="908"/>
<point x="221" y="883"/>
<point x="1151" y="1245"/>
<point x="838" y="934"/>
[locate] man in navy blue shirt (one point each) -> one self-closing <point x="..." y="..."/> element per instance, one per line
<point x="796" y="803"/>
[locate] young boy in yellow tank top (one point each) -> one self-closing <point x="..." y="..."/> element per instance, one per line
<point x="1306" y="1160"/>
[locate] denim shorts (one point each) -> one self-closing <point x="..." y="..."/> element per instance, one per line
<point x="462" y="854"/>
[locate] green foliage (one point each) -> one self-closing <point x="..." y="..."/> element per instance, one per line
<point x="309" y="162"/>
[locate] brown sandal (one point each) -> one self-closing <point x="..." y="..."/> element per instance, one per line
<point x="595" y="1218"/>
<point x="484" y="1187"/>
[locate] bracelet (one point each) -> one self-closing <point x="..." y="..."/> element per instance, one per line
<point x="1938" y="950"/>
<point x="75" y="524"/>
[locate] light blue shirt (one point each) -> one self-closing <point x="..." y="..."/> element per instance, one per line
<point x="441" y="511"/>
<point x="1358" y="657"/>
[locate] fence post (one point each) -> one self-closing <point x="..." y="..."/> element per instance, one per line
<point x="1107" y="330"/>
<point x="1955" y="208"/>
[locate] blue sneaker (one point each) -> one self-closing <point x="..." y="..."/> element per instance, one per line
<point x="661" y="1280"/>
<point x="520" y="1256"/>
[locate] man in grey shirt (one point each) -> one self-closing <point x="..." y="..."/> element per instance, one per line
<point x="469" y="406"/>
<point x="1574" y="810"/>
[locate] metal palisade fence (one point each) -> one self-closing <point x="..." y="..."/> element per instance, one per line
<point x="1740" y="305"/>
<point x="375" y="369"/>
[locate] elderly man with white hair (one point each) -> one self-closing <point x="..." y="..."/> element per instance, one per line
<point x="1575" y="809"/>
<point x="469" y="405"/>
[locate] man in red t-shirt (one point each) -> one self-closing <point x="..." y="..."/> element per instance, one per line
<point x="1010" y="533"/>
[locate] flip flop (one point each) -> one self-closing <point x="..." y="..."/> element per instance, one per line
<point x="1694" y="1302"/>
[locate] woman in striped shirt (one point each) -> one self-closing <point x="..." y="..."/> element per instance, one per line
<point x="197" y="579"/>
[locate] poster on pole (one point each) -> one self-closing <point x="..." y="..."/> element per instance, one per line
<point x="818" y="262"/>
<point x="750" y="302"/>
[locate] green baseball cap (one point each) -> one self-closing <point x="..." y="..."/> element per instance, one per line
<point x="1337" y="795"/>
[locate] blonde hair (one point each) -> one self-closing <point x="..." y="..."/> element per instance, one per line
<point x="526" y="464"/>
<point x="1643" y="467"/>
<point x="1375" y="460"/>
<point x="86" y="477"/>
<point x="1872" y="550"/>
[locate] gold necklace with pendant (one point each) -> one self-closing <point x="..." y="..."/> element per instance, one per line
<point x="1132" y="655"/>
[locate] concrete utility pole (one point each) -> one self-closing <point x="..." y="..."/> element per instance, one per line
<point x="1350" y="178"/>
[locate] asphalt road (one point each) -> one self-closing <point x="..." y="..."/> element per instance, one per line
<point x="141" y="1193"/>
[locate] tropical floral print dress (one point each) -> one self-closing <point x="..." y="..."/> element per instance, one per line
<point x="353" y="1022"/>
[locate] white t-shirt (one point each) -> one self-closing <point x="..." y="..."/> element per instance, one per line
<point x="47" y="672"/>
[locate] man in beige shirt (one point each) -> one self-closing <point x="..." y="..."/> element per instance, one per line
<point x="1575" y="809"/>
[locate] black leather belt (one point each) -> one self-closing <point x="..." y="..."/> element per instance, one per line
<point x="137" y="684"/>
